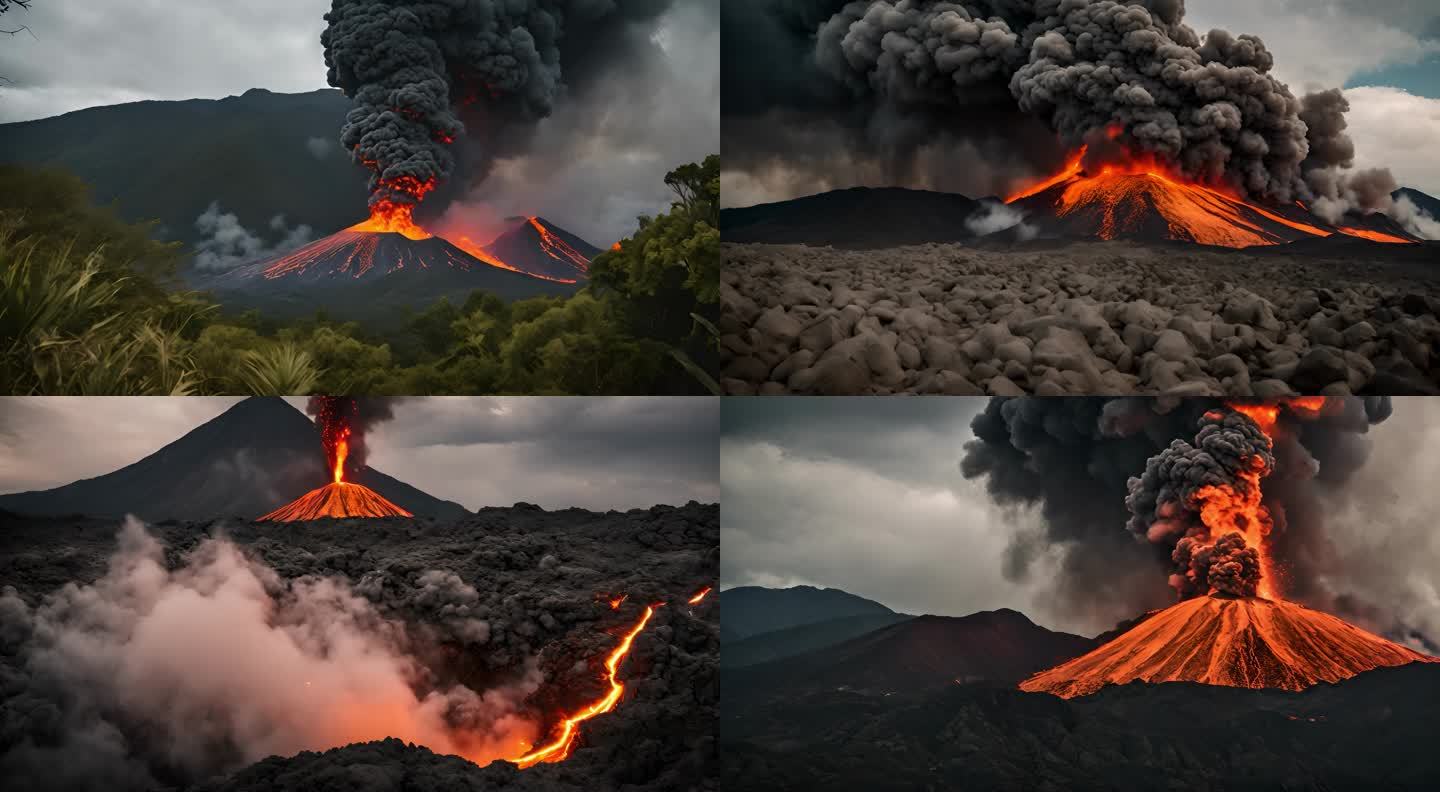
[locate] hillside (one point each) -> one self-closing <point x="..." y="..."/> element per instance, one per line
<point x="170" y="160"/>
<point x="751" y="610"/>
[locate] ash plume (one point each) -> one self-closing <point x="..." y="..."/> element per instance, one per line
<point x="907" y="69"/>
<point x="360" y="414"/>
<point x="439" y="83"/>
<point x="1071" y="460"/>
<point x="152" y="676"/>
<point x="1230" y="455"/>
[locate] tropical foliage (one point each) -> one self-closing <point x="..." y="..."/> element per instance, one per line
<point x="92" y="305"/>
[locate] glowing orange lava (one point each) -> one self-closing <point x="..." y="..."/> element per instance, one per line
<point x="1250" y="643"/>
<point x="618" y="601"/>
<point x="387" y="217"/>
<point x="1131" y="195"/>
<point x="559" y="748"/>
<point x="557" y="248"/>
<point x="1375" y="236"/>
<point x="342" y="450"/>
<point x="336" y="500"/>
<point x="699" y="595"/>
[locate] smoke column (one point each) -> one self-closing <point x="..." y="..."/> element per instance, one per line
<point x="153" y="677"/>
<point x="425" y="74"/>
<point x="1071" y="461"/>
<point x="1207" y="105"/>
<point x="349" y="418"/>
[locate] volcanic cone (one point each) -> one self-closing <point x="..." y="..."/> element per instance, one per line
<point x="1237" y="642"/>
<point x="338" y="499"/>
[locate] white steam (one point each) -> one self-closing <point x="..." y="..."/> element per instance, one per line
<point x="228" y="244"/>
<point x="161" y="673"/>
<point x="997" y="217"/>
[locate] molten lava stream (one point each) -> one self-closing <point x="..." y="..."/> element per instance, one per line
<point x="699" y="595"/>
<point x="559" y="748"/>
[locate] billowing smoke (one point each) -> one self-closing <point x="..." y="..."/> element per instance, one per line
<point x="1071" y="460"/>
<point x="436" y="82"/>
<point x="154" y="677"/>
<point x="225" y="243"/>
<point x="357" y="414"/>
<point x="1189" y="492"/>
<point x="1208" y="105"/>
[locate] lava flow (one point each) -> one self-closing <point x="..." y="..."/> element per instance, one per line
<point x="1130" y="195"/>
<point x="559" y="748"/>
<point x="339" y="498"/>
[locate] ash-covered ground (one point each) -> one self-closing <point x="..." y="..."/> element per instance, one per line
<point x="163" y="657"/>
<point x="1054" y="318"/>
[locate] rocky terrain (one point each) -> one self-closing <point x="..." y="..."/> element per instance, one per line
<point x="1369" y="732"/>
<point x="1054" y="318"/>
<point x="471" y="601"/>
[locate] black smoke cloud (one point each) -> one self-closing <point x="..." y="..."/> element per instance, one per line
<point x="1071" y="460"/>
<point x="1033" y="77"/>
<point x="433" y="79"/>
<point x="362" y="413"/>
<point x="1231" y="454"/>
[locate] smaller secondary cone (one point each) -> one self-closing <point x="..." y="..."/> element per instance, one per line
<point x="1249" y="642"/>
<point x="337" y="499"/>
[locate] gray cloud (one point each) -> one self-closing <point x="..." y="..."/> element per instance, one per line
<point x="865" y="495"/>
<point x="594" y="453"/>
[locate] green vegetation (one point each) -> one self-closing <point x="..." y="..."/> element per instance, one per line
<point x="92" y="305"/>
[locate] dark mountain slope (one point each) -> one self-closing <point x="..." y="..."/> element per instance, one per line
<point x="792" y="641"/>
<point x="253" y="458"/>
<point x="170" y="160"/>
<point x="860" y="218"/>
<point x="751" y="610"/>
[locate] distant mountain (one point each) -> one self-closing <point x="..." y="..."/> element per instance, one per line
<point x="1374" y="731"/>
<point x="253" y="458"/>
<point x="168" y="161"/>
<point x="751" y="610"/>
<point x="923" y="653"/>
<point x="792" y="641"/>
<point x="541" y="248"/>
<point x="1427" y="203"/>
<point x="860" y="218"/>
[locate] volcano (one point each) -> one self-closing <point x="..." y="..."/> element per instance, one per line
<point x="1145" y="201"/>
<point x="375" y="269"/>
<point x="338" y="499"/>
<point x="253" y="458"/>
<point x="1235" y="642"/>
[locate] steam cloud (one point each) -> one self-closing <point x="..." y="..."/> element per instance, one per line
<point x="227" y="243"/>
<point x="1166" y="502"/>
<point x="911" y="68"/>
<point x="1071" y="459"/>
<point x="427" y="75"/>
<point x="150" y="677"/>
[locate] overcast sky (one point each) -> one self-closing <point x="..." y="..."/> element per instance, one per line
<point x="595" y="165"/>
<point x="595" y="453"/>
<point x="865" y="495"/>
<point x="1386" y="53"/>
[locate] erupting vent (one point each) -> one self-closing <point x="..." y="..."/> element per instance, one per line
<point x="1247" y="642"/>
<point x="1137" y="199"/>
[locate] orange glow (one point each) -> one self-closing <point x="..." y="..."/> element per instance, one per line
<point x="338" y="500"/>
<point x="1225" y="509"/>
<point x="1249" y="643"/>
<point x="472" y="247"/>
<point x="559" y="748"/>
<point x="1122" y="193"/>
<point x="557" y="248"/>
<point x="699" y="595"/>
<point x="342" y="450"/>
<point x="1073" y="168"/>
<point x="387" y="217"/>
<point x="1375" y="236"/>
<point x="615" y="247"/>
<point x="618" y="601"/>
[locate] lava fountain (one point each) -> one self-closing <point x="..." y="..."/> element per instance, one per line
<point x="340" y="498"/>
<point x="1233" y="625"/>
<point x="1106" y="190"/>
